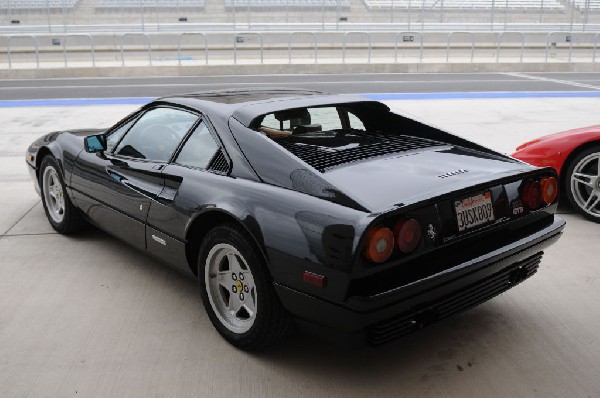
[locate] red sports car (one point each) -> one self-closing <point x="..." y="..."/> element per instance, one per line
<point x="575" y="155"/>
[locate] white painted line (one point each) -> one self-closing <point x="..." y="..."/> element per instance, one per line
<point x="549" y="80"/>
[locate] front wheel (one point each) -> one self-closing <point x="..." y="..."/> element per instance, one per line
<point x="237" y="290"/>
<point x="583" y="183"/>
<point x="64" y="217"/>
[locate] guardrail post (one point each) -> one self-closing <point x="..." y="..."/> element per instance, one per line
<point x="92" y="47"/>
<point x="549" y="36"/>
<point x="192" y="34"/>
<point x="35" y="43"/>
<point x="548" y="42"/>
<point x="409" y="33"/>
<point x="500" y="35"/>
<point x="292" y="34"/>
<point x="571" y="46"/>
<point x="595" y="45"/>
<point x="260" y="38"/>
<point x="344" y="45"/>
<point x="471" y="34"/>
<point x="147" y="41"/>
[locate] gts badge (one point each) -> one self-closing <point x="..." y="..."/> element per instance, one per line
<point x="517" y="207"/>
<point x="453" y="173"/>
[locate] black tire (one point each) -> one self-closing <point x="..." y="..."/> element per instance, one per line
<point x="272" y="321"/>
<point x="576" y="193"/>
<point x="72" y="221"/>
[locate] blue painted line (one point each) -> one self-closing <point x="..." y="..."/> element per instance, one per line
<point x="373" y="96"/>
<point x="484" y="95"/>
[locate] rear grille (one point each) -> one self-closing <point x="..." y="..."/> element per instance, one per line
<point x="219" y="163"/>
<point x="324" y="157"/>
<point x="453" y="303"/>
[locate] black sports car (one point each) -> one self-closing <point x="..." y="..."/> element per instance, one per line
<point x="290" y="205"/>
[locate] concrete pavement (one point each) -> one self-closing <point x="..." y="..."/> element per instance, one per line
<point x="89" y="316"/>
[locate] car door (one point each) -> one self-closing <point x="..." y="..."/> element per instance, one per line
<point x="115" y="188"/>
<point x="190" y="184"/>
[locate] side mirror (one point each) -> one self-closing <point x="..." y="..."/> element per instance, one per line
<point x="95" y="143"/>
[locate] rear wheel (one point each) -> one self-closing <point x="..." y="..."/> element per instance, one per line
<point x="64" y="217"/>
<point x="583" y="183"/>
<point x="237" y="290"/>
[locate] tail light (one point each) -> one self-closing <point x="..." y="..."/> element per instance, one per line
<point x="532" y="194"/>
<point x="408" y="234"/>
<point x="536" y="193"/>
<point x="379" y="244"/>
<point x="549" y="189"/>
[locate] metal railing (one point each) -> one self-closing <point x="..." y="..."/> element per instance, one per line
<point x="92" y="47"/>
<point x="410" y="37"/>
<point x="148" y="41"/>
<point x="35" y="43"/>
<point x="182" y="35"/>
<point x="322" y="47"/>
<point x="151" y="16"/>
<point x="452" y="34"/>
<point x="345" y="39"/>
<point x="241" y="35"/>
<point x="596" y="38"/>
<point x="499" y="40"/>
<point x="314" y="41"/>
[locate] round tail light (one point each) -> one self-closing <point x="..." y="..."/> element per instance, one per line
<point x="408" y="234"/>
<point x="532" y="194"/>
<point x="379" y="244"/>
<point x="549" y="189"/>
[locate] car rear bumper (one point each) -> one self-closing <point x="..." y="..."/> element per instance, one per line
<point x="389" y="315"/>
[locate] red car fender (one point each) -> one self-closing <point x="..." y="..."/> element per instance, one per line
<point x="553" y="150"/>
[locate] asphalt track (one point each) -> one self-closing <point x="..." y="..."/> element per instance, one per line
<point x="539" y="84"/>
<point x="89" y="316"/>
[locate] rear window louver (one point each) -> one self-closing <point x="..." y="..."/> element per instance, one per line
<point x="219" y="163"/>
<point x="325" y="157"/>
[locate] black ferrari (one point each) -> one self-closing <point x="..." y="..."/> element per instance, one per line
<point x="298" y="207"/>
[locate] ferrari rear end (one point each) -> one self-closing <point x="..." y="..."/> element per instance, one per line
<point x="427" y="261"/>
<point x="444" y="224"/>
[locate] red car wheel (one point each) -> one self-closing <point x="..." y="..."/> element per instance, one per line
<point x="583" y="183"/>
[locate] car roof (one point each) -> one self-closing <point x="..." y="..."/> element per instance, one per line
<point x="247" y="104"/>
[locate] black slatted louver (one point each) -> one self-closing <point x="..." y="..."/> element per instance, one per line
<point x="219" y="163"/>
<point x="324" y="157"/>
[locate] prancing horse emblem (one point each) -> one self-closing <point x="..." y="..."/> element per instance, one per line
<point x="431" y="232"/>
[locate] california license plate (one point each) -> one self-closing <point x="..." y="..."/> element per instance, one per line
<point x="473" y="211"/>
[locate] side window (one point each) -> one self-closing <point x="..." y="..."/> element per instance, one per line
<point x="355" y="122"/>
<point x="199" y="149"/>
<point x="156" y="134"/>
<point x="116" y="135"/>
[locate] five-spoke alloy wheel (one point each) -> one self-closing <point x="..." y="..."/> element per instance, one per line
<point x="54" y="195"/>
<point x="61" y="213"/>
<point x="237" y="289"/>
<point x="583" y="183"/>
<point x="231" y="289"/>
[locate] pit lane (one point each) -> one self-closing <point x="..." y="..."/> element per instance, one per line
<point x="89" y="316"/>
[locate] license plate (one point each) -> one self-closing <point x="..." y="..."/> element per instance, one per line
<point x="473" y="211"/>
